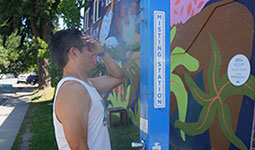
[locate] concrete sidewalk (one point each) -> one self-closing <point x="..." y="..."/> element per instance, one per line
<point x="13" y="107"/>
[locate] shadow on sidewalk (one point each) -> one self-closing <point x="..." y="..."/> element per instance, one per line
<point x="11" y="125"/>
<point x="11" y="97"/>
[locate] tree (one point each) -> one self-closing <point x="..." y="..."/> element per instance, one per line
<point x="27" y="61"/>
<point x="70" y="11"/>
<point x="29" y="19"/>
<point x="8" y="54"/>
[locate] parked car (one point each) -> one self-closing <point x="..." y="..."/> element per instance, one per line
<point x="22" y="78"/>
<point x="32" y="79"/>
<point x="7" y="76"/>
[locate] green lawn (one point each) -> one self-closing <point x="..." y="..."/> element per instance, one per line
<point x="39" y="121"/>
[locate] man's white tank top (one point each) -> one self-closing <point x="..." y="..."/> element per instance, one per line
<point x="98" y="136"/>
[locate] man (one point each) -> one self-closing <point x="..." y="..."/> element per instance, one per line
<point x="78" y="110"/>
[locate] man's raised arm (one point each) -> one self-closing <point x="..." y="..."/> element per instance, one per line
<point x="115" y="75"/>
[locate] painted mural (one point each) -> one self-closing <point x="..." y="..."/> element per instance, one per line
<point x="207" y="110"/>
<point x="117" y="30"/>
<point x="182" y="10"/>
<point x="179" y="57"/>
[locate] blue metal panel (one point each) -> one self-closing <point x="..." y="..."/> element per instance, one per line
<point x="154" y="122"/>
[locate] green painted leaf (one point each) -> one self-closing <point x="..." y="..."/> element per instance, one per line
<point x="179" y="57"/>
<point x="135" y="116"/>
<point x="247" y="89"/>
<point x="172" y="34"/>
<point x="226" y="127"/>
<point x="132" y="117"/>
<point x="177" y="87"/>
<point x="204" y="122"/>
<point x="213" y="73"/>
<point x="201" y="97"/>
<point x="220" y="89"/>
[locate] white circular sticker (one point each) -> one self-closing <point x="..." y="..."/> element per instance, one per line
<point x="239" y="70"/>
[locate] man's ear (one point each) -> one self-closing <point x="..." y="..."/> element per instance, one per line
<point x="72" y="52"/>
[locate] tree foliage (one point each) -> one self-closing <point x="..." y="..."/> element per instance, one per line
<point x="17" y="59"/>
<point x="33" y="22"/>
<point x="29" y="19"/>
<point x="70" y="12"/>
<point x="8" y="53"/>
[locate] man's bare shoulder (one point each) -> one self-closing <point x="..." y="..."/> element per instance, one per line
<point x="72" y="93"/>
<point x="72" y="86"/>
<point x="72" y="89"/>
<point x="72" y="98"/>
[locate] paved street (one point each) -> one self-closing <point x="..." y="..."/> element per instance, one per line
<point x="13" y="106"/>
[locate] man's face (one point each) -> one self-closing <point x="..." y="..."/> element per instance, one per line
<point x="87" y="57"/>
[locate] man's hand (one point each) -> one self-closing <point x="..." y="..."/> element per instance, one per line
<point x="94" y="46"/>
<point x="115" y="75"/>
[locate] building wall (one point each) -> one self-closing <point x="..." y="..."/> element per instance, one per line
<point x="118" y="30"/>
<point x="207" y="111"/>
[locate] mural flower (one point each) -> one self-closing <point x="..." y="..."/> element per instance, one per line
<point x="118" y="98"/>
<point x="220" y="89"/>
<point x="180" y="57"/>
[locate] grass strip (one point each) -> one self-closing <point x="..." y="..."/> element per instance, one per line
<point x="39" y="121"/>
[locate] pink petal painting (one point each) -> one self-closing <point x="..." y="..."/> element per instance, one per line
<point x="182" y="10"/>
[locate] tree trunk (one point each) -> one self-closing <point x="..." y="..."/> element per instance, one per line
<point x="43" y="73"/>
<point x="46" y="37"/>
<point x="40" y="63"/>
<point x="45" y="27"/>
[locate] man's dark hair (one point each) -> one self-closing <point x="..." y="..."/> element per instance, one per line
<point x="61" y="43"/>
